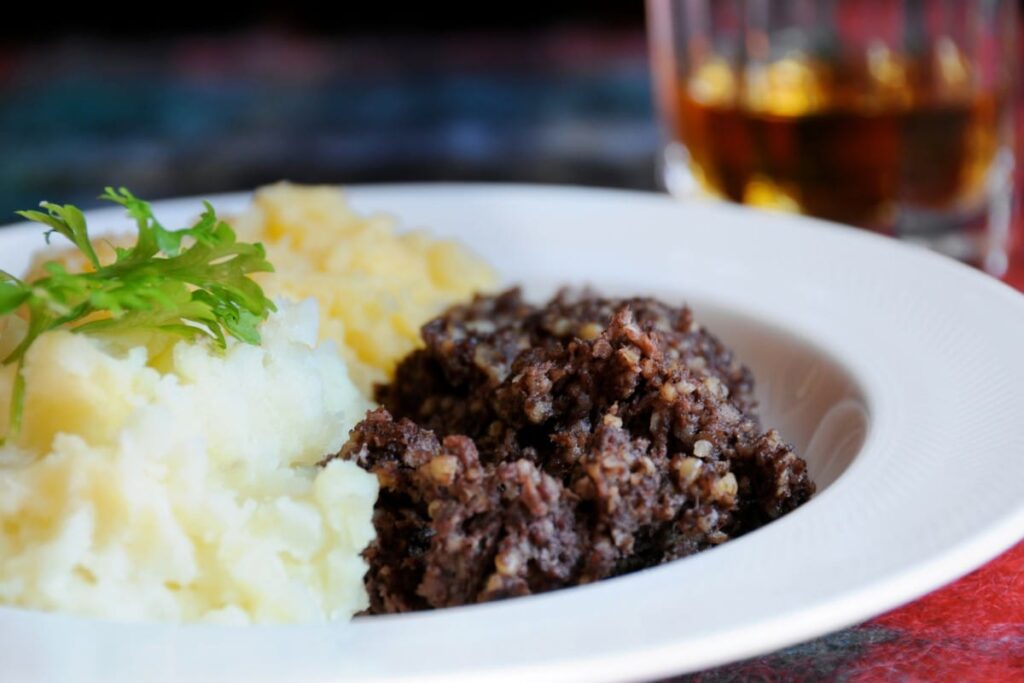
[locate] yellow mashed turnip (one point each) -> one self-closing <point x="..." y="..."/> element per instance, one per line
<point x="376" y="285"/>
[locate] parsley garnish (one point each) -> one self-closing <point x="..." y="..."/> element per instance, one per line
<point x="189" y="282"/>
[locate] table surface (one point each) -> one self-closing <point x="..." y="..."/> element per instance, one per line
<point x="198" y="115"/>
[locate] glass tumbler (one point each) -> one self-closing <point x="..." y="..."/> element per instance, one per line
<point x="892" y="115"/>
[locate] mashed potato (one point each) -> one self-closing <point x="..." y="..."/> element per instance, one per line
<point x="176" y="483"/>
<point x="376" y="286"/>
<point x="162" y="480"/>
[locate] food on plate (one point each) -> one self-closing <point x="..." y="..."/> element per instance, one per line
<point x="160" y="458"/>
<point x="179" y="484"/>
<point x="376" y="285"/>
<point x="187" y="283"/>
<point x="181" y="446"/>
<point x="528" y="448"/>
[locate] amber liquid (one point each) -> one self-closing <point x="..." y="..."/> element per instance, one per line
<point x="836" y="144"/>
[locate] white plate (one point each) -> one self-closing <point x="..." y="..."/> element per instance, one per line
<point x="899" y="374"/>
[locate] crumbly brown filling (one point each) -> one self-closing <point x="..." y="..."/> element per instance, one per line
<point x="529" y="448"/>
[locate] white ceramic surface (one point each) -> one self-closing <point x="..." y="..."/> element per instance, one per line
<point x="899" y="374"/>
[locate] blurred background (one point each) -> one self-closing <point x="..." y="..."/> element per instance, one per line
<point x="203" y="99"/>
<point x="217" y="100"/>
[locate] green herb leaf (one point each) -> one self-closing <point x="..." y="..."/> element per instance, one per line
<point x="12" y="296"/>
<point x="69" y="221"/>
<point x="190" y="282"/>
